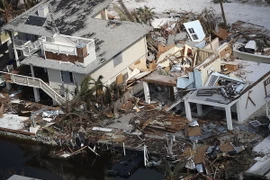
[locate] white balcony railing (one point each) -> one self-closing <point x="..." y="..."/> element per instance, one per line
<point x="27" y="47"/>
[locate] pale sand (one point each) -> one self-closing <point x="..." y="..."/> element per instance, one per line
<point x="259" y="15"/>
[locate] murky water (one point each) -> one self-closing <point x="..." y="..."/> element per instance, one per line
<point x="17" y="157"/>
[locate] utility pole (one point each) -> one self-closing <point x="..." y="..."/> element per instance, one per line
<point x="223" y="14"/>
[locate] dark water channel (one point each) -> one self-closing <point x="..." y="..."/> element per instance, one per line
<point x="19" y="157"/>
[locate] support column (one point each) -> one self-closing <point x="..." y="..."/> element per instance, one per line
<point x="267" y="107"/>
<point x="229" y="118"/>
<point x="175" y="93"/>
<point x="10" y="48"/>
<point x="146" y="93"/>
<point x="8" y="86"/>
<point x="36" y="90"/>
<point x="188" y="110"/>
<point x="199" y="109"/>
<point x="15" y="51"/>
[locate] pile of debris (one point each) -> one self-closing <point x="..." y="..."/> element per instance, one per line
<point x="151" y="119"/>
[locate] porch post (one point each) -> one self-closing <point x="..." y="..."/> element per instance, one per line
<point x="188" y="110"/>
<point x="8" y="86"/>
<point x="175" y="93"/>
<point x="199" y="109"/>
<point x="229" y="117"/>
<point x="267" y="108"/>
<point x="36" y="90"/>
<point x="146" y="93"/>
<point x="15" y="51"/>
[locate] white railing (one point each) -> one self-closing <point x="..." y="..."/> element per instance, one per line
<point x="19" y="43"/>
<point x="36" y="83"/>
<point x="27" y="47"/>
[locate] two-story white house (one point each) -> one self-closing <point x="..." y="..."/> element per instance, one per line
<point x="72" y="39"/>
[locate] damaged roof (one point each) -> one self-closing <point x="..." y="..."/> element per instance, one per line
<point x="75" y="17"/>
<point x="245" y="77"/>
<point x="65" y="17"/>
<point x="109" y="40"/>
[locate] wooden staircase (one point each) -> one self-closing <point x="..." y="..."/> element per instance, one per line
<point x="35" y="83"/>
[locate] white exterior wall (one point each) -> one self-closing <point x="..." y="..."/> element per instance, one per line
<point x="98" y="16"/>
<point x="91" y="54"/>
<point x="61" y="40"/>
<point x="55" y="80"/>
<point x="204" y="71"/>
<point x="129" y="56"/>
<point x="257" y="95"/>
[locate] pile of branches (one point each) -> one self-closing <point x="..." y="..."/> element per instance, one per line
<point x="92" y="101"/>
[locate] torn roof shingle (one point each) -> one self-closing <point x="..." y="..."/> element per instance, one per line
<point x="75" y="17"/>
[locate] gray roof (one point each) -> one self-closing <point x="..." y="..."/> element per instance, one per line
<point x="66" y="16"/>
<point x="75" y="17"/>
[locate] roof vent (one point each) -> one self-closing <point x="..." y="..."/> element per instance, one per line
<point x="43" y="11"/>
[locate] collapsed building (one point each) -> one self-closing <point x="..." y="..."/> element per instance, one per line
<point x="196" y="81"/>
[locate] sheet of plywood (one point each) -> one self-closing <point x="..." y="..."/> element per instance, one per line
<point x="140" y="64"/>
<point x="119" y="79"/>
<point x="194" y="131"/>
<point x="200" y="154"/>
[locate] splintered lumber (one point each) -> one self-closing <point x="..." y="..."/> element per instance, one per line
<point x="1" y="109"/>
<point x="146" y="123"/>
<point x="169" y="124"/>
<point x="75" y="152"/>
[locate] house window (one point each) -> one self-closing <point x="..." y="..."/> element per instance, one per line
<point x="194" y="37"/>
<point x="67" y="77"/>
<point x="191" y="30"/>
<point x="117" y="59"/>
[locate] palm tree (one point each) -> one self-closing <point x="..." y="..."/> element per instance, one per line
<point x="123" y="12"/>
<point x="6" y="10"/>
<point x="174" y="172"/>
<point x="141" y="15"/>
<point x="9" y="8"/>
<point x="29" y="3"/>
<point x="126" y="11"/>
<point x="145" y="14"/>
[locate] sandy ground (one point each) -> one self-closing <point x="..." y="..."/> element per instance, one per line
<point x="12" y="121"/>
<point x="257" y="12"/>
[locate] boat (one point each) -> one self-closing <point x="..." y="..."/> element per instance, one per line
<point x="249" y="52"/>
